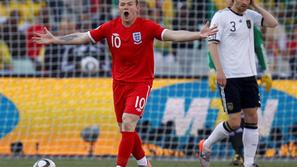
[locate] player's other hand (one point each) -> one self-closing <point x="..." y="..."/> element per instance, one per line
<point x="44" y="38"/>
<point x="266" y="81"/>
<point x="212" y="80"/>
<point x="208" y="31"/>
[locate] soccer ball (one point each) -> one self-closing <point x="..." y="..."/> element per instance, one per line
<point x="89" y="64"/>
<point x="44" y="162"/>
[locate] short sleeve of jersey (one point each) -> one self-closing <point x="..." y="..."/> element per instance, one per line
<point x="216" y="21"/>
<point x="99" y="33"/>
<point x="256" y="17"/>
<point x="157" y="31"/>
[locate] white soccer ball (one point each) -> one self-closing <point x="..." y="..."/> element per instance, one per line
<point x="44" y="162"/>
<point x="89" y="64"/>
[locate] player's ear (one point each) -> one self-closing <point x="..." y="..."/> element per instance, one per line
<point x="137" y="5"/>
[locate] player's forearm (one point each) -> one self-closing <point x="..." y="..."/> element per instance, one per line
<point x="269" y="20"/>
<point x="72" y="39"/>
<point x="181" y="36"/>
<point x="213" y="49"/>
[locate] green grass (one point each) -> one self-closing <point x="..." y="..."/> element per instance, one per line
<point x="110" y="163"/>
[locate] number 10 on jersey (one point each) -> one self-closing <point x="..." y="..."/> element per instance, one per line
<point x="140" y="103"/>
<point x="116" y="40"/>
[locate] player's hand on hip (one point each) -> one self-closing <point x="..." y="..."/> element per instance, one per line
<point x="208" y="31"/>
<point x="266" y="81"/>
<point x="221" y="78"/>
<point x="45" y="37"/>
<point x="212" y="80"/>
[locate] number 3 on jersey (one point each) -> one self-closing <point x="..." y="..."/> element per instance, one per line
<point x="233" y="26"/>
<point x="116" y="40"/>
<point x="140" y="103"/>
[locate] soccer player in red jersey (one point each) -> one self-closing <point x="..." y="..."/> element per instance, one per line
<point x="130" y="40"/>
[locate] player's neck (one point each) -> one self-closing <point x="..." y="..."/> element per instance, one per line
<point x="129" y="23"/>
<point x="236" y="10"/>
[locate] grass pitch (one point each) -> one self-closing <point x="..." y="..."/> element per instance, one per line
<point x="110" y="163"/>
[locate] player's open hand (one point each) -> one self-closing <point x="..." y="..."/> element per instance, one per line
<point x="44" y="38"/>
<point x="266" y="81"/>
<point x="208" y="31"/>
<point x="212" y="80"/>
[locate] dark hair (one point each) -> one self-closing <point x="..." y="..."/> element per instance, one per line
<point x="136" y="1"/>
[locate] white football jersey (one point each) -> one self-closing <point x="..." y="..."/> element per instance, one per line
<point x="236" y="41"/>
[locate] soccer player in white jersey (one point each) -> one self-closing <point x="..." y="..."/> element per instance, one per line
<point x="232" y="50"/>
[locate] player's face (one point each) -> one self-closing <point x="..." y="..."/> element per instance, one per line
<point x="128" y="10"/>
<point x="241" y="5"/>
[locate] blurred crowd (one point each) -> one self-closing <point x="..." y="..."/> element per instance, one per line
<point x="20" y="19"/>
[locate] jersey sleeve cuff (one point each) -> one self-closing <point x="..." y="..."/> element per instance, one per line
<point x="262" y="22"/>
<point x="90" y="36"/>
<point x="162" y="34"/>
<point x="214" y="40"/>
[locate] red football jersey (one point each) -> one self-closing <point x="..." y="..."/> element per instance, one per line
<point x="131" y="48"/>
<point x="32" y="48"/>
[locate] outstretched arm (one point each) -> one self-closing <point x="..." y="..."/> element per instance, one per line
<point x="183" y="36"/>
<point x="71" y="39"/>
